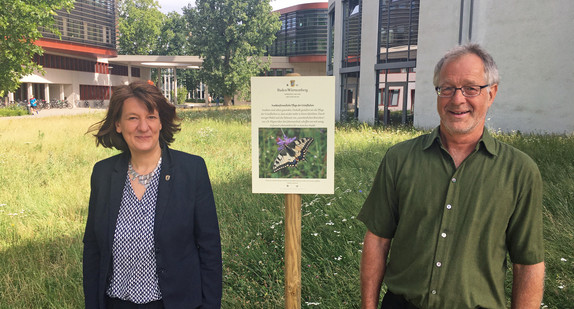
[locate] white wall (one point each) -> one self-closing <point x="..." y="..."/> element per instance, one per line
<point x="531" y="42"/>
<point x="72" y="81"/>
<point x="369" y="47"/>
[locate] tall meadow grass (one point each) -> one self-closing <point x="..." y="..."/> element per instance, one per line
<point x="45" y="165"/>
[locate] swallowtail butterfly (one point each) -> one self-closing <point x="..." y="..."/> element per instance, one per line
<point x="292" y="153"/>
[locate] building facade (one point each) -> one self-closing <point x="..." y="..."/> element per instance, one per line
<point x="76" y="65"/>
<point x="372" y="54"/>
<point x="83" y="64"/>
<point x="373" y="51"/>
<point x="527" y="40"/>
<point x="301" y="43"/>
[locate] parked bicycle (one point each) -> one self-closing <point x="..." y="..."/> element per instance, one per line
<point x="22" y="103"/>
<point x="43" y="104"/>
<point x="60" y="104"/>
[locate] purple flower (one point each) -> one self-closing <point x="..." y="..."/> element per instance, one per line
<point x="282" y="142"/>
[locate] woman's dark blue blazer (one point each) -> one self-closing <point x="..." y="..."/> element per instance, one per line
<point x="186" y="231"/>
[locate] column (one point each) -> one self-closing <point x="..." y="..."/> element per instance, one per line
<point x="175" y="85"/>
<point x="30" y="90"/>
<point x="47" y="92"/>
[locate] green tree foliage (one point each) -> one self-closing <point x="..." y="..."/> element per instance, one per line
<point x="20" y="25"/>
<point x="174" y="38"/>
<point x="190" y="79"/>
<point x="139" y="26"/>
<point x="231" y="36"/>
<point x="181" y="95"/>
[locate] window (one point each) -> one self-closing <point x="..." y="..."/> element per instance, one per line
<point x="302" y="32"/>
<point x="72" y="64"/>
<point x="89" y="92"/>
<point x="351" y="33"/>
<point x="398" y="30"/>
<point x="394" y="97"/>
<point x="89" y="22"/>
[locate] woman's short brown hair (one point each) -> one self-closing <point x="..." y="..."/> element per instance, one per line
<point x="152" y="97"/>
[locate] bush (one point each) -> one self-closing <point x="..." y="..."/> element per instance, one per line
<point x="195" y="100"/>
<point x="13" y="111"/>
<point x="181" y="95"/>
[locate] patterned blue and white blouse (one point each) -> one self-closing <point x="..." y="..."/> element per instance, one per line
<point x="134" y="274"/>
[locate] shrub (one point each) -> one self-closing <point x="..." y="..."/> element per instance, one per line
<point x="13" y="111"/>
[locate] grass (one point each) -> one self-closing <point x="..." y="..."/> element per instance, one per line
<point x="45" y="164"/>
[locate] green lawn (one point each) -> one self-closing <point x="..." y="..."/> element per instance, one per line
<point x="45" y="164"/>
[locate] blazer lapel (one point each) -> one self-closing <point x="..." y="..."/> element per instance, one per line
<point x="117" y="183"/>
<point x="164" y="188"/>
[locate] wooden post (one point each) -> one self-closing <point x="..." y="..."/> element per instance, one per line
<point x="292" y="251"/>
<point x="293" y="247"/>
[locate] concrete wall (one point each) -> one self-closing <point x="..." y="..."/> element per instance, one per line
<point x="303" y="68"/>
<point x="369" y="47"/>
<point x="531" y="44"/>
<point x="309" y="68"/>
<point x="338" y="53"/>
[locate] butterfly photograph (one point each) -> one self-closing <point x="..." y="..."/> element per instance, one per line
<point x="292" y="152"/>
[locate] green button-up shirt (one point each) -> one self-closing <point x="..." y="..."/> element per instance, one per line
<point x="453" y="227"/>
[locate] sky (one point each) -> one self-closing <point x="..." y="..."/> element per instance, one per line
<point x="176" y="5"/>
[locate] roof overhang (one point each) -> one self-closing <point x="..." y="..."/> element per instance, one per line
<point x="75" y="48"/>
<point x="180" y="62"/>
<point x="304" y="6"/>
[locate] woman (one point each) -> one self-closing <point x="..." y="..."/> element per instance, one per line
<point x="152" y="236"/>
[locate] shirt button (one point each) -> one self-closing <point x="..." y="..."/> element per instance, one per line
<point x="433" y="292"/>
<point x="453" y="180"/>
<point x="449" y="206"/>
<point x="443" y="235"/>
<point x="438" y="264"/>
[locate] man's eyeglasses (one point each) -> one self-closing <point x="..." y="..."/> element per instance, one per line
<point x="467" y="91"/>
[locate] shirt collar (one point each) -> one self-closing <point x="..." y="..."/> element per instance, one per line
<point x="486" y="140"/>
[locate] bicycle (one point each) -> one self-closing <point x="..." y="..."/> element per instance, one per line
<point x="99" y="104"/>
<point x="43" y="104"/>
<point x="55" y="103"/>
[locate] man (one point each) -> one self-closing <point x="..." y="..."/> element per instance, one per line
<point x="33" y="104"/>
<point x="455" y="202"/>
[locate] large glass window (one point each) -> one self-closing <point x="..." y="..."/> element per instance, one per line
<point x="351" y="33"/>
<point x="91" y="22"/>
<point x="302" y="32"/>
<point x="396" y="63"/>
<point x="398" y="30"/>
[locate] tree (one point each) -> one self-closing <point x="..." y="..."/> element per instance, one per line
<point x="190" y="79"/>
<point x="20" y="26"/>
<point x="139" y="26"/>
<point x="231" y="36"/>
<point x="174" y="38"/>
